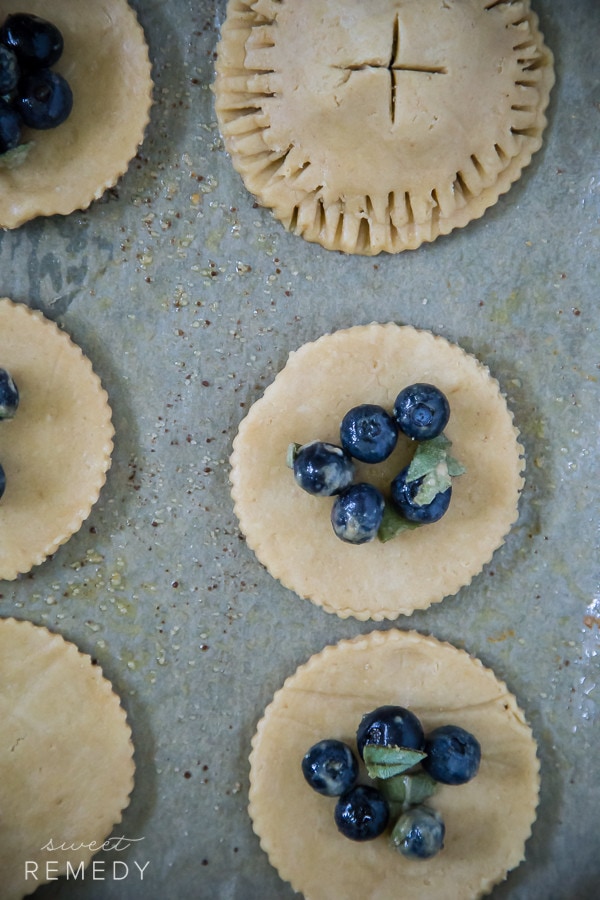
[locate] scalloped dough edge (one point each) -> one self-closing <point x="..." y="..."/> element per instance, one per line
<point x="48" y="640"/>
<point x="372" y="640"/>
<point x="88" y="501"/>
<point x="280" y="573"/>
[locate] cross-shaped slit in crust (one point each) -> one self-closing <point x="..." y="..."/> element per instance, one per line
<point x="394" y="66"/>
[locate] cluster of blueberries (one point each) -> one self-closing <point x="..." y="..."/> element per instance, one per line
<point x="32" y="94"/>
<point x="369" y="433"/>
<point x="9" y="401"/>
<point x="408" y="767"/>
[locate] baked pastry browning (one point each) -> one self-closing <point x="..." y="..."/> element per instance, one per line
<point x="290" y="530"/>
<point x="105" y="61"/>
<point x="57" y="448"/>
<point x="66" y="758"/>
<point x="488" y="820"/>
<point x="377" y="126"/>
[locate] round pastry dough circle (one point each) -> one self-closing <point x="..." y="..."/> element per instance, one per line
<point x="487" y="820"/>
<point x="56" y="450"/>
<point x="393" y="122"/>
<point x="66" y="757"/>
<point x="105" y="61"/>
<point x="290" y="531"/>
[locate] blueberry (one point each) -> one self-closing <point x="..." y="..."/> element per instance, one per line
<point x="390" y="726"/>
<point x="37" y="42"/>
<point x="361" y="814"/>
<point x="421" y="411"/>
<point x="2" y="481"/>
<point x="357" y="512"/>
<point x="330" y="768"/>
<point x="403" y="495"/>
<point x="453" y="755"/>
<point x="9" y="395"/>
<point x="45" y="99"/>
<point x="323" y="469"/>
<point x="368" y="433"/>
<point x="10" y="127"/>
<point x="419" y="833"/>
<point x="9" y="70"/>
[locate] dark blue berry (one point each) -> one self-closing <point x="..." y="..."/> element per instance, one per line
<point x="403" y="495"/>
<point x="357" y="512"/>
<point x="330" y="768"/>
<point x="2" y="481"/>
<point x="9" y="395"/>
<point x="361" y="814"/>
<point x="323" y="469"/>
<point x="421" y="411"/>
<point x="10" y="127"/>
<point x="453" y="755"/>
<point x="368" y="433"/>
<point x="37" y="42"/>
<point x="419" y="833"/>
<point x="390" y="726"/>
<point x="45" y="99"/>
<point x="9" y="70"/>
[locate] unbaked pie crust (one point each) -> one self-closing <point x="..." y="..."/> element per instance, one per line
<point x="66" y="756"/>
<point x="290" y="531"/>
<point x="487" y="820"/>
<point x="377" y="126"/>
<point x="57" y="448"/>
<point x="105" y="61"/>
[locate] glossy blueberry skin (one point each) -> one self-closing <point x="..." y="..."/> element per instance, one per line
<point x="421" y="411"/>
<point x="361" y="814"/>
<point x="9" y="70"/>
<point x="390" y="726"/>
<point x="357" y="512"/>
<point x="453" y="755"/>
<point x="2" y="481"/>
<point x="9" y="395"/>
<point x="330" y="768"/>
<point x="368" y="433"/>
<point x="403" y="494"/>
<point x="323" y="469"/>
<point x="10" y="127"/>
<point x="45" y="99"/>
<point x="37" y="42"/>
<point x="419" y="833"/>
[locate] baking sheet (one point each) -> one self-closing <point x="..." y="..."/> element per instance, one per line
<point x="187" y="298"/>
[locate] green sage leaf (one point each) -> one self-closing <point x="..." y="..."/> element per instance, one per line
<point x="408" y="789"/>
<point x="455" y="468"/>
<point x="16" y="157"/>
<point x="393" y="524"/>
<point x="436" y="482"/>
<point x="385" y="762"/>
<point x="292" y="453"/>
<point x="428" y="455"/>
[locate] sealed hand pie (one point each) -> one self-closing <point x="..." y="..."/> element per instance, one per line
<point x="377" y="126"/>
